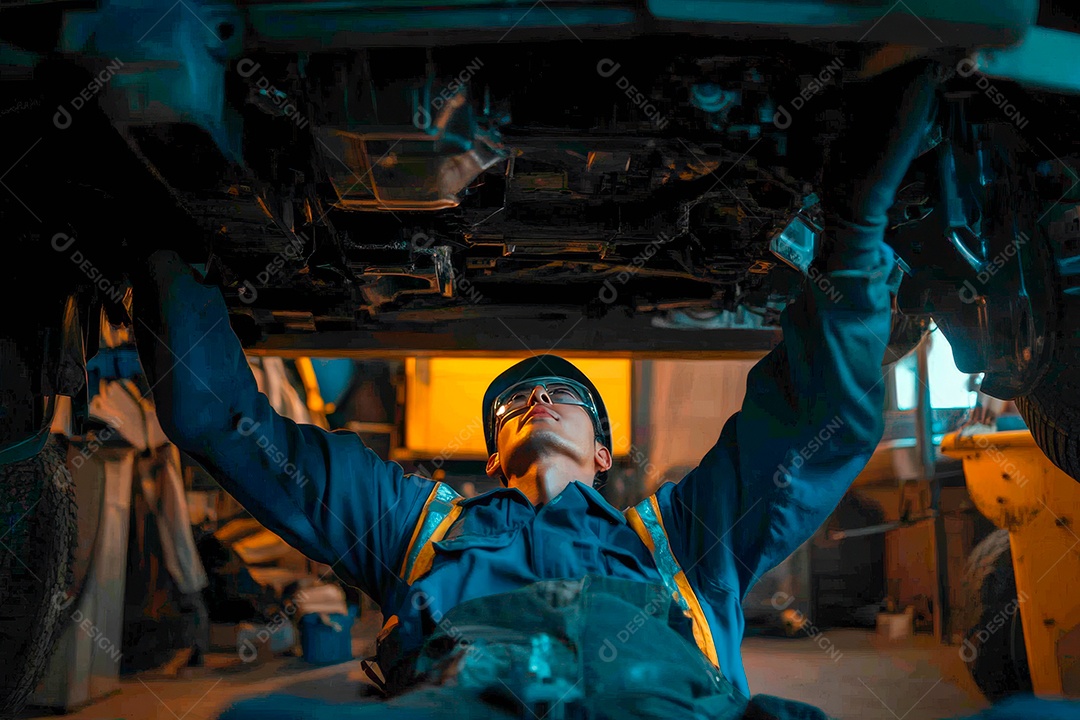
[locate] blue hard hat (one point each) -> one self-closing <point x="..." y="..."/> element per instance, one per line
<point x="539" y="366"/>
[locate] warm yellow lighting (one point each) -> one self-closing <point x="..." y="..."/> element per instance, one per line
<point x="443" y="397"/>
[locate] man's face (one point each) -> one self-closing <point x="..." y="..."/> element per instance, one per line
<point x="544" y="423"/>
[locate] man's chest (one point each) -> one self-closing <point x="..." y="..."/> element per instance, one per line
<point x="539" y="550"/>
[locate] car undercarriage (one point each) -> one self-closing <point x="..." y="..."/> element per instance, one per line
<point x="608" y="178"/>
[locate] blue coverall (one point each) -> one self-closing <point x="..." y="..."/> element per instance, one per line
<point x="811" y="418"/>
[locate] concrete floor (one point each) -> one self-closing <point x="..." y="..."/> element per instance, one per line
<point x="856" y="676"/>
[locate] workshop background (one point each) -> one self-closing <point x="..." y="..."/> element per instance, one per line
<point x="902" y="605"/>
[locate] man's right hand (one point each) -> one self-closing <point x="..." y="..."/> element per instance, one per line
<point x="889" y="118"/>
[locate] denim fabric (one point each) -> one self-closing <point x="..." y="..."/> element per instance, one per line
<point x="604" y="647"/>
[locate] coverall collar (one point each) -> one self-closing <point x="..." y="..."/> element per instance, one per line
<point x="592" y="497"/>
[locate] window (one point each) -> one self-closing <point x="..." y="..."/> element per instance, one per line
<point x="949" y="388"/>
<point x="443" y="398"/>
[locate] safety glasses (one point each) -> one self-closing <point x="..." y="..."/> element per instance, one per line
<point x="562" y="391"/>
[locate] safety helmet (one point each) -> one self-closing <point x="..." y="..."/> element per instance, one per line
<point x="544" y="366"/>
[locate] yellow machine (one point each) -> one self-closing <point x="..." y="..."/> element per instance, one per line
<point x="1017" y="488"/>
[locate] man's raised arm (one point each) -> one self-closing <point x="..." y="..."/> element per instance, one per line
<point x="323" y="492"/>
<point x="812" y="415"/>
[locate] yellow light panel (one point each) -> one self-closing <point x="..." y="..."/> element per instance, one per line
<point x="443" y="398"/>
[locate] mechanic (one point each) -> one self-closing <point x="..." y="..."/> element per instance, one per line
<point x="540" y="597"/>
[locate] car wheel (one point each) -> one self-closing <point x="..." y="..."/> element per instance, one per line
<point x="1052" y="407"/>
<point x="993" y="646"/>
<point x="37" y="555"/>
<point x="1052" y="414"/>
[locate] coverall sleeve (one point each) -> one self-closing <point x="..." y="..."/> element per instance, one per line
<point x="811" y="419"/>
<point x="324" y="493"/>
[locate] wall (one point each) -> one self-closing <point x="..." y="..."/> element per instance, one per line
<point x="688" y="403"/>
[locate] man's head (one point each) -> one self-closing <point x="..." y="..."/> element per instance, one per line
<point x="542" y="413"/>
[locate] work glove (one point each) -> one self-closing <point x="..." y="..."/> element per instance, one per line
<point x="889" y="118"/>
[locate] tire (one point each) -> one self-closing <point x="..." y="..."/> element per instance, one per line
<point x="993" y="646"/>
<point x="37" y="508"/>
<point x="1053" y="414"/>
<point x="1052" y="408"/>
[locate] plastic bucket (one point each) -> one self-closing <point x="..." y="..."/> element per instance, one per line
<point x="324" y="644"/>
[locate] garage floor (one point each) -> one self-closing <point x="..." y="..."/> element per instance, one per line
<point x="859" y="676"/>
<point x="856" y="676"/>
